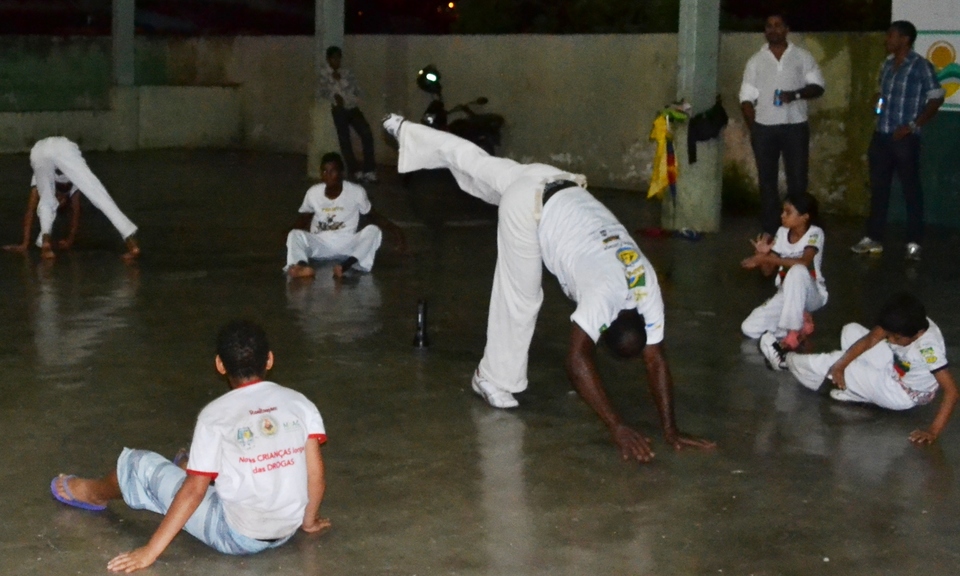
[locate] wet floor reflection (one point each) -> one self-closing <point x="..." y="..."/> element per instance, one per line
<point x="344" y="311"/>
<point x="508" y="524"/>
<point x="76" y="306"/>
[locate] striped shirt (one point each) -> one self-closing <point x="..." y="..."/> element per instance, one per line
<point x="905" y="90"/>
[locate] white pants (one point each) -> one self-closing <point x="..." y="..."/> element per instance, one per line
<point x="869" y="378"/>
<point x="518" y="191"/>
<point x="798" y="293"/>
<point x="57" y="153"/>
<point x="303" y="246"/>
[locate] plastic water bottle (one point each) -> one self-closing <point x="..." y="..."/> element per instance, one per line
<point x="879" y="107"/>
<point x="420" y="338"/>
<point x="778" y="97"/>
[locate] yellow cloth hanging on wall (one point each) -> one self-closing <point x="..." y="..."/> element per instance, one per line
<point x="664" y="174"/>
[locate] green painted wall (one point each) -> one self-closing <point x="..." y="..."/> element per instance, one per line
<point x="53" y="73"/>
<point x="940" y="171"/>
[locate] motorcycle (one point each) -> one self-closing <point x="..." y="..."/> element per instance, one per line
<point x="436" y="196"/>
<point x="483" y="129"/>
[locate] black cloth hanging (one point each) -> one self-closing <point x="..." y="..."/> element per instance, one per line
<point x="705" y="126"/>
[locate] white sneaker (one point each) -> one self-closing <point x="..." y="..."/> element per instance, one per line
<point x="771" y="350"/>
<point x="494" y="396"/>
<point x="369" y="177"/>
<point x="913" y="252"/>
<point x="866" y="245"/>
<point x="391" y="123"/>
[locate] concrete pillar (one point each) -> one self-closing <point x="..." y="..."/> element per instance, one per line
<point x="122" y="31"/>
<point x="124" y="98"/>
<point x="697" y="205"/>
<point x="328" y="32"/>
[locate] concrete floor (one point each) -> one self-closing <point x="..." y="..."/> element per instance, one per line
<point x="423" y="478"/>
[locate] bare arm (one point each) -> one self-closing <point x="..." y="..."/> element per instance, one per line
<point x="868" y="341"/>
<point x="929" y="111"/>
<point x="749" y="113"/>
<point x="950" y="396"/>
<point x="32" y="202"/>
<point x="661" y="386"/>
<point x="184" y="504"/>
<point x="386" y="224"/>
<point x="67" y="242"/>
<point x="768" y="263"/>
<point x="927" y="114"/>
<point x="582" y="371"/>
<point x="316" y="486"/>
<point x="303" y="221"/>
<point x="808" y="92"/>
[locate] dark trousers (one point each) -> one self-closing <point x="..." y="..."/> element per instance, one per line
<point x="901" y="157"/>
<point x="769" y="143"/>
<point x="344" y="119"/>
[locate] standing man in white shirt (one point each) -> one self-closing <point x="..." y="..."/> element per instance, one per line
<point x="339" y="86"/>
<point x="546" y="218"/>
<point x="777" y="82"/>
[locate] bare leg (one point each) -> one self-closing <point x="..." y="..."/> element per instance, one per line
<point x="92" y="491"/>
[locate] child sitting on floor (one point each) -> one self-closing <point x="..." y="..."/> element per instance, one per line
<point x="260" y="442"/>
<point x="795" y="254"/>
<point x="897" y="365"/>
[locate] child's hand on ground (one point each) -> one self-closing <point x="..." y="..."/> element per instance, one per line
<point x="836" y="375"/>
<point x="132" y="561"/>
<point x="922" y="437"/>
<point x="316" y="526"/>
<point x="750" y="263"/>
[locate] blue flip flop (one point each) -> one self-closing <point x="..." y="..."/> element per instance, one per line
<point x="72" y="500"/>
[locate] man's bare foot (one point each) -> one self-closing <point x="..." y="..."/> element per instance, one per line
<point x="338" y="272"/>
<point x="133" y="250"/>
<point x="301" y="271"/>
<point x="46" y="252"/>
<point x="80" y="490"/>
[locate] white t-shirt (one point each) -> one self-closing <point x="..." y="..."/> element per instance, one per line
<point x="597" y="263"/>
<point x="813" y="238"/>
<point x="252" y="440"/>
<point x="915" y="364"/>
<point x="58" y="179"/>
<point x="764" y="74"/>
<point x="340" y="215"/>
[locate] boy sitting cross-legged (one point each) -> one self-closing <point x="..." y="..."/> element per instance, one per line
<point x="259" y="441"/>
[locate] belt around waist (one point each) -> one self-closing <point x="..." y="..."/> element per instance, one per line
<point x="557" y="185"/>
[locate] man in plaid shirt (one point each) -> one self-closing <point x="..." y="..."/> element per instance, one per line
<point x="909" y="97"/>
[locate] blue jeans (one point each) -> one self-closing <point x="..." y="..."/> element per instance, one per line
<point x="148" y="481"/>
